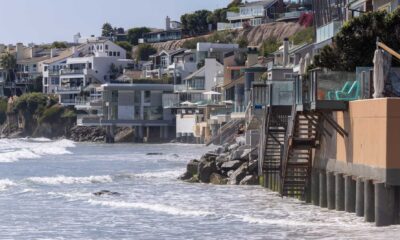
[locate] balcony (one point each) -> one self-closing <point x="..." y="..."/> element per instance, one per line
<point x="68" y="90"/>
<point x="245" y="14"/>
<point x="290" y="15"/>
<point x="239" y="25"/>
<point x="72" y="72"/>
<point x="328" y="31"/>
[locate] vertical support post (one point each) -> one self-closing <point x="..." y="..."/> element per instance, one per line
<point x="339" y="192"/>
<point x="323" y="202"/>
<point x="369" y="201"/>
<point x="330" y="190"/>
<point x="384" y="205"/>
<point x="350" y="194"/>
<point x="360" y="197"/>
<point x="315" y="187"/>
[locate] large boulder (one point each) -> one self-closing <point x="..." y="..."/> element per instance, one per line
<point x="205" y="169"/>
<point x="220" y="150"/>
<point x="249" y="180"/>
<point x="192" y="167"/>
<point x="185" y="176"/>
<point x="253" y="167"/>
<point x="217" y="179"/>
<point x="238" y="175"/>
<point x="233" y="147"/>
<point x="231" y="165"/>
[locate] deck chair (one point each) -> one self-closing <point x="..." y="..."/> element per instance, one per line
<point x="352" y="94"/>
<point x="346" y="87"/>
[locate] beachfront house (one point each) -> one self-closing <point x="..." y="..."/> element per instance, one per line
<point x="137" y="105"/>
<point x="253" y="14"/>
<point x="95" y="62"/>
<point x="172" y="31"/>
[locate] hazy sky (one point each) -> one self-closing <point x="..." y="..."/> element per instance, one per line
<point x="44" y="21"/>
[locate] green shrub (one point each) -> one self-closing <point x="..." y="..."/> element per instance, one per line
<point x="3" y="110"/>
<point x="303" y="36"/>
<point x="33" y="103"/>
<point x="52" y="114"/>
<point x="269" y="46"/>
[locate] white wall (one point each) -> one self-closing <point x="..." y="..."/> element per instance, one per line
<point x="212" y="69"/>
<point x="185" y="123"/>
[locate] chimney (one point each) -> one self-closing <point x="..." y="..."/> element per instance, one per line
<point x="252" y="56"/>
<point x="31" y="52"/>
<point x="20" y="51"/>
<point x="168" y="23"/>
<point x="52" y="52"/>
<point x="285" y="52"/>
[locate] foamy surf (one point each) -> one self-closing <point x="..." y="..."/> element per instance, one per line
<point x="12" y="150"/>
<point x="160" y="208"/>
<point x="63" y="180"/>
<point x="6" y="184"/>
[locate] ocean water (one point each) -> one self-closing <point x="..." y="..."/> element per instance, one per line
<point x="46" y="193"/>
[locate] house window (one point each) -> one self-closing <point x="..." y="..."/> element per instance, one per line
<point x="106" y="46"/>
<point x="114" y="54"/>
<point x="45" y="81"/>
<point x="118" y="54"/>
<point x="45" y="68"/>
<point x="164" y="61"/>
<point x="147" y="96"/>
<point x="110" y="54"/>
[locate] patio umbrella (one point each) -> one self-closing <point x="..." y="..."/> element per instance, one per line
<point x="228" y="102"/>
<point x="187" y="103"/>
<point x="379" y="82"/>
<point x="301" y="65"/>
<point x="211" y="93"/>
<point x="307" y="62"/>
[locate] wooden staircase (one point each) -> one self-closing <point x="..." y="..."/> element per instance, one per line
<point x="272" y="144"/>
<point x="302" y="137"/>
<point x="226" y="133"/>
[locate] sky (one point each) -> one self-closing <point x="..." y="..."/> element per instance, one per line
<point x="46" y="21"/>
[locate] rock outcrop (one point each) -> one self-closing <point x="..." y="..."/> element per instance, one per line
<point x="228" y="164"/>
<point x="255" y="35"/>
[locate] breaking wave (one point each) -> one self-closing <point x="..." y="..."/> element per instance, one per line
<point x="60" y="180"/>
<point x="152" y="207"/>
<point x="6" y="184"/>
<point x="12" y="150"/>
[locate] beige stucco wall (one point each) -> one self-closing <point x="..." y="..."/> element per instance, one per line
<point x="374" y="134"/>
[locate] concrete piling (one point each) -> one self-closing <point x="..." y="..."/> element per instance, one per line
<point x="339" y="192"/>
<point x="330" y="190"/>
<point x="350" y="194"/>
<point x="323" y="202"/>
<point x="384" y="205"/>
<point x="369" y="201"/>
<point x="315" y="187"/>
<point x="360" y="197"/>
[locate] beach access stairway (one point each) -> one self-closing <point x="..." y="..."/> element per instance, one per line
<point x="302" y="137"/>
<point x="226" y="133"/>
<point x="272" y="144"/>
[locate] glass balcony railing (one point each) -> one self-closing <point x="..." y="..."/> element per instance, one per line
<point x="328" y="31"/>
<point x="340" y="86"/>
<point x="71" y="71"/>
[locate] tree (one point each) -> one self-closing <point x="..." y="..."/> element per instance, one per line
<point x="59" y="45"/>
<point x="144" y="51"/>
<point x="134" y="34"/>
<point x="234" y="3"/>
<point x="107" y="30"/>
<point x="9" y="63"/>
<point x="195" y="23"/>
<point x="127" y="46"/>
<point x="355" y="43"/>
<point x="269" y="46"/>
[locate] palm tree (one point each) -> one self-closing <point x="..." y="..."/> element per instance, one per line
<point x="9" y="63"/>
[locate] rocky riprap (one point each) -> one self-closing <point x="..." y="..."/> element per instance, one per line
<point x="233" y="164"/>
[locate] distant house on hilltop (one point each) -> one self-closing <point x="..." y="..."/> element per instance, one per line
<point x="173" y="31"/>
<point x="253" y="14"/>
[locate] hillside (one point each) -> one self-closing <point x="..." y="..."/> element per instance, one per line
<point x="255" y="36"/>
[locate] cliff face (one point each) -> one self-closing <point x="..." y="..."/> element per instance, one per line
<point x="255" y="36"/>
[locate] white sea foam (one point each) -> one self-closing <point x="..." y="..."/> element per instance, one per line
<point x="6" y="184"/>
<point x="161" y="174"/>
<point x="60" y="180"/>
<point x="152" y="207"/>
<point x="12" y="150"/>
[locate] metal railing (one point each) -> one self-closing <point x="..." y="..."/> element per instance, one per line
<point x="71" y="71"/>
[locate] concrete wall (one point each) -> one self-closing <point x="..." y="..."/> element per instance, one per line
<point x="371" y="150"/>
<point x="185" y="123"/>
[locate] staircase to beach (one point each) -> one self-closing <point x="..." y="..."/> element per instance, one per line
<point x="301" y="138"/>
